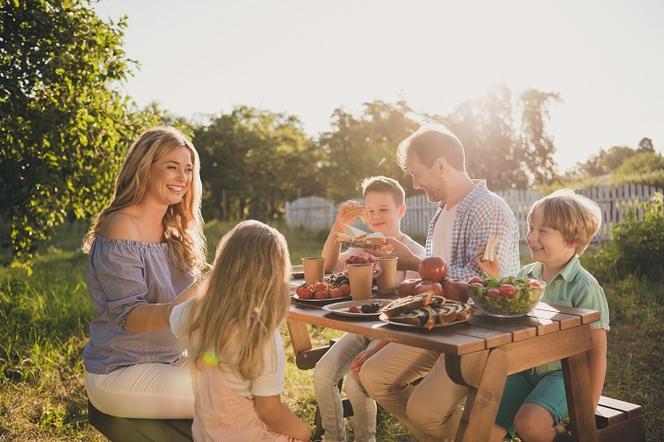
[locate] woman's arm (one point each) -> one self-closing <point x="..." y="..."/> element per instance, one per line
<point x="279" y="418"/>
<point x="597" y="363"/>
<point x="156" y="317"/>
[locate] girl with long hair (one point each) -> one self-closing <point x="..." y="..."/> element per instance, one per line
<point x="146" y="252"/>
<point x="234" y="340"/>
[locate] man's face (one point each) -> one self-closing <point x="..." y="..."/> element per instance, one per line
<point x="426" y="178"/>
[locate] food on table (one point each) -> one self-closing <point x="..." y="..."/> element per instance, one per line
<point x="335" y="285"/>
<point x="433" y="268"/>
<point x="506" y="297"/>
<point x="407" y="286"/>
<point x="357" y="237"/>
<point x="428" y="286"/>
<point x="364" y="308"/>
<point x="456" y="290"/>
<point x="426" y="311"/>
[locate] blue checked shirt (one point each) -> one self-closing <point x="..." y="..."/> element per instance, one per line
<point x="480" y="215"/>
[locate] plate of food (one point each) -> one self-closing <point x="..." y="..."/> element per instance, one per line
<point x="335" y="288"/>
<point x="425" y="311"/>
<point x="368" y="308"/>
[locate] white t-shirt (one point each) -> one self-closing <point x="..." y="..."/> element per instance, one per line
<point x="412" y="245"/>
<point x="441" y="240"/>
<point x="269" y="383"/>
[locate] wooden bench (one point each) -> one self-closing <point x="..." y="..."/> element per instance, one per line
<point x="121" y="429"/>
<point x="619" y="421"/>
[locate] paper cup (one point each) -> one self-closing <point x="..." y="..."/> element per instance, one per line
<point x="313" y="269"/>
<point x="387" y="280"/>
<point x="360" y="276"/>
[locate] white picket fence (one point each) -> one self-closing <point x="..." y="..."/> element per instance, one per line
<point x="318" y="213"/>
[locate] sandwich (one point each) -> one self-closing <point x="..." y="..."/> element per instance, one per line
<point x="490" y="249"/>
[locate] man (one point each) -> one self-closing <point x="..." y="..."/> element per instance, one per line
<point x="468" y="215"/>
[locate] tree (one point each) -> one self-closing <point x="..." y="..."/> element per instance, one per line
<point x="253" y="161"/>
<point x="363" y="146"/>
<point x="505" y="138"/>
<point x="645" y="145"/>
<point x="606" y="161"/>
<point x="63" y="126"/>
<point x="641" y="164"/>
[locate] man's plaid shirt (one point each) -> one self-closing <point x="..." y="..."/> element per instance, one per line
<point x="480" y="215"/>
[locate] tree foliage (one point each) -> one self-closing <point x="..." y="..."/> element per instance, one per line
<point x="253" y="161"/>
<point x="364" y="145"/>
<point x="63" y="126"/>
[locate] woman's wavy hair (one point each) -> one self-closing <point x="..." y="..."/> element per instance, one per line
<point x="246" y="300"/>
<point x="183" y="222"/>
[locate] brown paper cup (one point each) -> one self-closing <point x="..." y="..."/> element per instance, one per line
<point x="360" y="276"/>
<point x="387" y="280"/>
<point x="313" y="269"/>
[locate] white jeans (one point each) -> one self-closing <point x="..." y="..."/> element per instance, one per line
<point x="147" y="391"/>
<point x="334" y="364"/>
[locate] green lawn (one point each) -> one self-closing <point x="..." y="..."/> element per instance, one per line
<point x="43" y="327"/>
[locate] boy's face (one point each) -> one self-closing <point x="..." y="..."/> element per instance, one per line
<point x="383" y="214"/>
<point x="547" y="245"/>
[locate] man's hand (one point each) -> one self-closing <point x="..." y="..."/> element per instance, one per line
<point x="491" y="268"/>
<point x="347" y="214"/>
<point x="407" y="259"/>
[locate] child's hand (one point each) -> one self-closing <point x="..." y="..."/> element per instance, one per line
<point x="491" y="268"/>
<point x="348" y="213"/>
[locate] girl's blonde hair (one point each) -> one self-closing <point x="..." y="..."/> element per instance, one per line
<point x="183" y="223"/>
<point x="246" y="300"/>
<point x="576" y="217"/>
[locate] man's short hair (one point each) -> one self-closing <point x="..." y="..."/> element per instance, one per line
<point x="431" y="142"/>
<point x="385" y="185"/>
<point x="576" y="217"/>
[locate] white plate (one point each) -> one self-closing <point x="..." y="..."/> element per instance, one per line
<point x="341" y="308"/>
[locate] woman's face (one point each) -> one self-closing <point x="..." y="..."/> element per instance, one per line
<point x="170" y="176"/>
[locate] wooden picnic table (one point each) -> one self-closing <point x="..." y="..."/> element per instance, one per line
<point x="482" y="352"/>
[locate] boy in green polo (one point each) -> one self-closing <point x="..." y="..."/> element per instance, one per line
<point x="560" y="227"/>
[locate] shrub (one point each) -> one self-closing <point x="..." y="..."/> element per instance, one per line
<point x="638" y="246"/>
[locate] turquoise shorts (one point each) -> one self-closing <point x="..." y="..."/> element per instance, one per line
<point x="529" y="388"/>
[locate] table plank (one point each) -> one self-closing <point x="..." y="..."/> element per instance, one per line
<point x="445" y="340"/>
<point x="587" y="316"/>
<point x="519" y="331"/>
<point x="492" y="337"/>
<point x="566" y="321"/>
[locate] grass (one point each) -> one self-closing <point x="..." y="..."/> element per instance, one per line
<point x="43" y="328"/>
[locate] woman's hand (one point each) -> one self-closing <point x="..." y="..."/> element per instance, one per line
<point x="347" y="214"/>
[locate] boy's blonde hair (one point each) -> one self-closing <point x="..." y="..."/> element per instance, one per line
<point x="384" y="184"/>
<point x="576" y="217"/>
<point x="246" y="299"/>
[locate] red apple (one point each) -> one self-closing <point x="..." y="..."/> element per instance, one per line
<point x="433" y="269"/>
<point x="407" y="286"/>
<point x="456" y="290"/>
<point x="429" y="286"/>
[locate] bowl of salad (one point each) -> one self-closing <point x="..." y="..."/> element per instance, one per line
<point x="509" y="297"/>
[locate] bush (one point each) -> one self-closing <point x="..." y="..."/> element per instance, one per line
<point x="638" y="246"/>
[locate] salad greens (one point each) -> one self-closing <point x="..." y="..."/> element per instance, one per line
<point x="507" y="297"/>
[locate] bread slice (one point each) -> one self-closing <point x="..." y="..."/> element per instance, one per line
<point x="354" y="233"/>
<point x="490" y="249"/>
<point x="376" y="238"/>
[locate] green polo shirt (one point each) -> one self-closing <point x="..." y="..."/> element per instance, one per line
<point x="573" y="286"/>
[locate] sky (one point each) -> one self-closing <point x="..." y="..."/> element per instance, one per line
<point x="309" y="57"/>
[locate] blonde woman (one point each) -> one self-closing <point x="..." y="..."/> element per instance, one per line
<point x="146" y="250"/>
<point x="233" y="337"/>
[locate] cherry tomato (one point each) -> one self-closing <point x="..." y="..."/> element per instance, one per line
<point x="322" y="294"/>
<point x="320" y="286"/>
<point x="493" y="293"/>
<point x="336" y="292"/>
<point x="304" y="292"/>
<point x="475" y="279"/>
<point x="507" y="290"/>
<point x="535" y="283"/>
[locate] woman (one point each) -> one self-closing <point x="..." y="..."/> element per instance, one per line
<point x="145" y="249"/>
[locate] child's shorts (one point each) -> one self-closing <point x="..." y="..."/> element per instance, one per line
<point x="528" y="387"/>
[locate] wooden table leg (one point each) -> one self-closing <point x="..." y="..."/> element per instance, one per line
<point x="579" y="397"/>
<point x="484" y="391"/>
